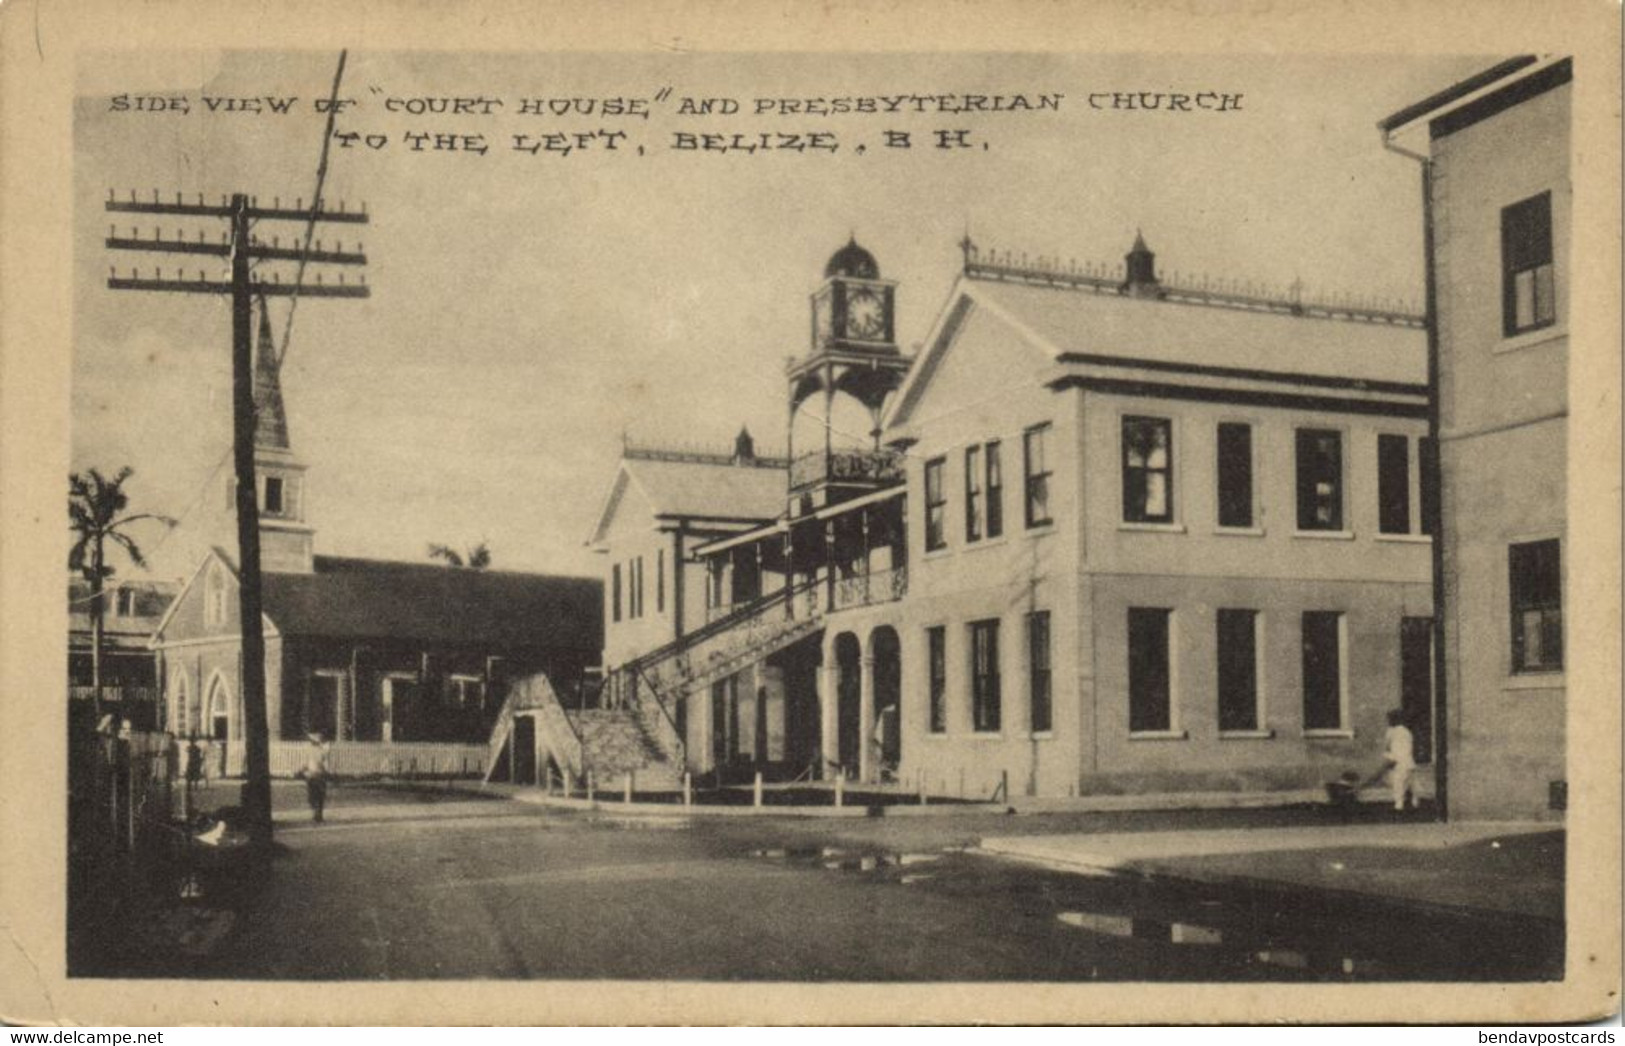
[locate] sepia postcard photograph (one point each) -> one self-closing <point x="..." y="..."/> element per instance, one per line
<point x="813" y="520"/>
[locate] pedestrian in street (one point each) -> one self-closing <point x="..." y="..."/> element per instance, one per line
<point x="315" y="772"/>
<point x="1400" y="756"/>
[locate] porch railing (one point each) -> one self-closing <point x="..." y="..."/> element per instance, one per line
<point x="868" y="589"/>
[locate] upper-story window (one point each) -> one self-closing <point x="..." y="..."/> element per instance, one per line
<point x="615" y="592"/>
<point x="974" y="505"/>
<point x="984" y="492"/>
<point x="1393" y="484"/>
<point x="995" y="490"/>
<point x="1035" y="466"/>
<point x="660" y="581"/>
<point x="1537" y="606"/>
<point x="1320" y="479"/>
<point x="125" y="602"/>
<point x="1148" y="475"/>
<point x="936" y="506"/>
<point x="1235" y="474"/>
<point x="1529" y="286"/>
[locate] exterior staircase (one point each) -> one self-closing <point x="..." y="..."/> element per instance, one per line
<point x="604" y="743"/>
<point x="656" y="683"/>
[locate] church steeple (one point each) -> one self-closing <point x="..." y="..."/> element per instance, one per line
<point x="270" y="416"/>
<point x="285" y="538"/>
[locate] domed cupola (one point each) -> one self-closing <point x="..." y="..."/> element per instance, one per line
<point x="852" y="261"/>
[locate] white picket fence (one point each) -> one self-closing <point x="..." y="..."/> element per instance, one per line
<point x="381" y="759"/>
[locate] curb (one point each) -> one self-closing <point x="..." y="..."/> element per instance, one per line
<point x="677" y="810"/>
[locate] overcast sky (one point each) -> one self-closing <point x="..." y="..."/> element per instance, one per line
<point x="526" y="310"/>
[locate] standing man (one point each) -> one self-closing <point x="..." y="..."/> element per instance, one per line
<point x="1400" y="755"/>
<point x="315" y="774"/>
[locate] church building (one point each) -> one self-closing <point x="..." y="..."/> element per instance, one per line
<point x="404" y="665"/>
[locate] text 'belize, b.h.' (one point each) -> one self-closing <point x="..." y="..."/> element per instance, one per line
<point x="480" y="125"/>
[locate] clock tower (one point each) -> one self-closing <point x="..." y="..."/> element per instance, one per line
<point x="853" y="354"/>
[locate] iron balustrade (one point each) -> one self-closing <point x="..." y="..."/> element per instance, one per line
<point x="876" y="467"/>
<point x="868" y="589"/>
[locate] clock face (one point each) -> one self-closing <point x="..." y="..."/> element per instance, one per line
<point x="865" y="315"/>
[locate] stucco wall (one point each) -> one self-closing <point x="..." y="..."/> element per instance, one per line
<point x="1503" y="423"/>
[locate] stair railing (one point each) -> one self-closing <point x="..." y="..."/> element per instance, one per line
<point x="682" y="743"/>
<point x="741" y="612"/>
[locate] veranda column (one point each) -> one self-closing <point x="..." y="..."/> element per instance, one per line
<point x="866" y="716"/>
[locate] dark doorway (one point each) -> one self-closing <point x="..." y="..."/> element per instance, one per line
<point x="1416" y="682"/>
<point x="801" y="719"/>
<point x="723" y="723"/>
<point x="847" y="713"/>
<point x="888" y="697"/>
<point x="524" y="750"/>
<point x="323" y="714"/>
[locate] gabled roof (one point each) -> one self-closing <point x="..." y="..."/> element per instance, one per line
<point x="216" y="554"/>
<point x="698" y="490"/>
<point x="380" y="599"/>
<point x="1069" y="322"/>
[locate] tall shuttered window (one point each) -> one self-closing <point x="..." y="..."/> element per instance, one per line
<point x="1393" y="484"/>
<point x="1237" y="648"/>
<point x="1235" y="474"/>
<point x="985" y="696"/>
<point x="974" y="506"/>
<point x="1537" y="606"/>
<point x="936" y="506"/>
<point x="1150" y="676"/>
<point x="1036" y="472"/>
<point x="1529" y="283"/>
<point x="1322" y="670"/>
<point x="1148" y="472"/>
<point x="995" y="490"/>
<point x="1039" y="689"/>
<point x="936" y="642"/>
<point x="1320" y="479"/>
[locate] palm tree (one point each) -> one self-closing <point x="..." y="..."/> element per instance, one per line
<point x="477" y="557"/>
<point x="96" y="507"/>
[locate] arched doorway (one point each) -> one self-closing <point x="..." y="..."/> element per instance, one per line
<point x="218" y="723"/>
<point x="888" y="667"/>
<point x="848" y="717"/>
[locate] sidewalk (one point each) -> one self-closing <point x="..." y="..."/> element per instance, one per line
<point x="1494" y="870"/>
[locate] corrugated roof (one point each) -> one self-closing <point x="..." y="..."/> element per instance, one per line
<point x="379" y="599"/>
<point x="707" y="491"/>
<point x="1065" y="320"/>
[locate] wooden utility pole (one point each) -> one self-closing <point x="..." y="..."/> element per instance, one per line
<point x="241" y="247"/>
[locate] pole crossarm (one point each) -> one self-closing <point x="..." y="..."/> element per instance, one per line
<point x="209" y="210"/>
<point x="257" y="287"/>
<point x="223" y="250"/>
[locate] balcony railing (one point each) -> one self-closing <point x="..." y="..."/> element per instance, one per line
<point x="885" y="586"/>
<point x="876" y="467"/>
